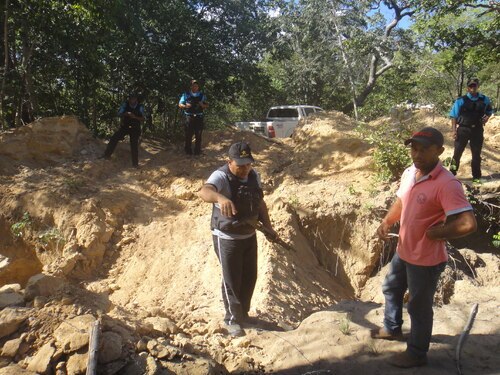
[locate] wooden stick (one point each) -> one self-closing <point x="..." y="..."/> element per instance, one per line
<point x="93" y="348"/>
<point x="464" y="335"/>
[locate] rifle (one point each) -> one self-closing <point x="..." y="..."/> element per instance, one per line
<point x="271" y="237"/>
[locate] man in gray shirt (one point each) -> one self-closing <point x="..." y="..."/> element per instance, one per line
<point x="236" y="194"/>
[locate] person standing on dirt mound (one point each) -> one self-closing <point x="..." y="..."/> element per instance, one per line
<point x="131" y="113"/>
<point x="431" y="208"/>
<point x="193" y="102"/>
<point x="236" y="194"/>
<point x="468" y="115"/>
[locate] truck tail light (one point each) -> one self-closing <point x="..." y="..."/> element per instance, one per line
<point x="270" y="131"/>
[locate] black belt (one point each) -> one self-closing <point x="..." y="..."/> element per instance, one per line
<point x="194" y="114"/>
<point x="473" y="126"/>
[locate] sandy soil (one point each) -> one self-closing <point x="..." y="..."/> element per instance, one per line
<point x="136" y="246"/>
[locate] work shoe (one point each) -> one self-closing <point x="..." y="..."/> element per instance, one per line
<point x="251" y="322"/>
<point x="406" y="360"/>
<point x="234" y="330"/>
<point x="383" y="334"/>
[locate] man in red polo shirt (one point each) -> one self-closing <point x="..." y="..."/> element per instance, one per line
<point x="431" y="208"/>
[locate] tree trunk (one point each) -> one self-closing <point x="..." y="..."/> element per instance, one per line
<point x="347" y="62"/>
<point x="26" y="102"/>
<point x="6" y="62"/>
<point x="375" y="71"/>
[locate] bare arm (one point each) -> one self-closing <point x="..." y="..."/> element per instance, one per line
<point x="456" y="226"/>
<point x="209" y="194"/>
<point x="392" y="216"/>
<point x="265" y="220"/>
<point x="454" y="127"/>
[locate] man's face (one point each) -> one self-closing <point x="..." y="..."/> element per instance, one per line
<point x="473" y="88"/>
<point x="240" y="171"/>
<point x="425" y="157"/>
<point x="132" y="100"/>
<point x="195" y="87"/>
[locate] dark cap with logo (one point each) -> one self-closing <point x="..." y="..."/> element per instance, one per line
<point x="240" y="152"/>
<point x="427" y="136"/>
<point x="472" y="81"/>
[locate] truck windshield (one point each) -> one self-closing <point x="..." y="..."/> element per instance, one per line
<point x="283" y="112"/>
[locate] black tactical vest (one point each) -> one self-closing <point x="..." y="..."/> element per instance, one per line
<point x="128" y="121"/>
<point x="195" y="101"/>
<point x="471" y="111"/>
<point x="247" y="197"/>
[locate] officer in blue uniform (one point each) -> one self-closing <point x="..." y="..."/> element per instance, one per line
<point x="131" y="113"/>
<point x="193" y="102"/>
<point x="468" y="115"/>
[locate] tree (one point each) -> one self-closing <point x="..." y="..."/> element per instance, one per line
<point x="464" y="32"/>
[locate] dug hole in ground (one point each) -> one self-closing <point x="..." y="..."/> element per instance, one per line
<point x="85" y="239"/>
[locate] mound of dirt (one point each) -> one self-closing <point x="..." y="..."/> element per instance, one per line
<point x="85" y="238"/>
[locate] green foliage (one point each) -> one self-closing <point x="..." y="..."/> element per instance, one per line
<point x="352" y="190"/>
<point x="51" y="236"/>
<point x="449" y="163"/>
<point x="345" y="325"/>
<point x="293" y="200"/>
<point x="391" y="156"/>
<point x="82" y="57"/>
<point x="496" y="240"/>
<point x="19" y="229"/>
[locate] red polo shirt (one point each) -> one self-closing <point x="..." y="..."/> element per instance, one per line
<point x="426" y="203"/>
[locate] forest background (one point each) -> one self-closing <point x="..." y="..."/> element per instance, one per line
<point x="82" y="57"/>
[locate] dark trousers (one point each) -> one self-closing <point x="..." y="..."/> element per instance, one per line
<point x="421" y="282"/>
<point x="134" y="132"/>
<point x="475" y="137"/>
<point x="238" y="259"/>
<point x="193" y="127"/>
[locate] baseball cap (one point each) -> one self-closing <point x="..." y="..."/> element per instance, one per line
<point x="427" y="136"/>
<point x="471" y="81"/>
<point x="194" y="82"/>
<point x="240" y="152"/>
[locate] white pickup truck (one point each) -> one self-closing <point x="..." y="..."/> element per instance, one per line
<point x="280" y="121"/>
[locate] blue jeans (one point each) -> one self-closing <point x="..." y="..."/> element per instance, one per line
<point x="421" y="282"/>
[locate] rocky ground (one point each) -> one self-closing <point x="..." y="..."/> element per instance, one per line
<point x="85" y="240"/>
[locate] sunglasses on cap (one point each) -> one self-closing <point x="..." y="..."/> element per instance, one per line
<point x="472" y="85"/>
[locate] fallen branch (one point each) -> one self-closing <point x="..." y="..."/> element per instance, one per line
<point x="93" y="347"/>
<point x="464" y="334"/>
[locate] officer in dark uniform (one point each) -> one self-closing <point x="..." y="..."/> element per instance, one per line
<point x="236" y="193"/>
<point x="193" y="102"/>
<point x="468" y="115"/>
<point x="131" y="113"/>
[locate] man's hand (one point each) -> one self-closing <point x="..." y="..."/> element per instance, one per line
<point x="383" y="230"/>
<point x="187" y="105"/>
<point x="272" y="234"/>
<point x="227" y="207"/>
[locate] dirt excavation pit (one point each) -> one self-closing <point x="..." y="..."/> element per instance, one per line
<point x="84" y="239"/>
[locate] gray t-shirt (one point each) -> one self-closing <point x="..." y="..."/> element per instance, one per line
<point x="219" y="180"/>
